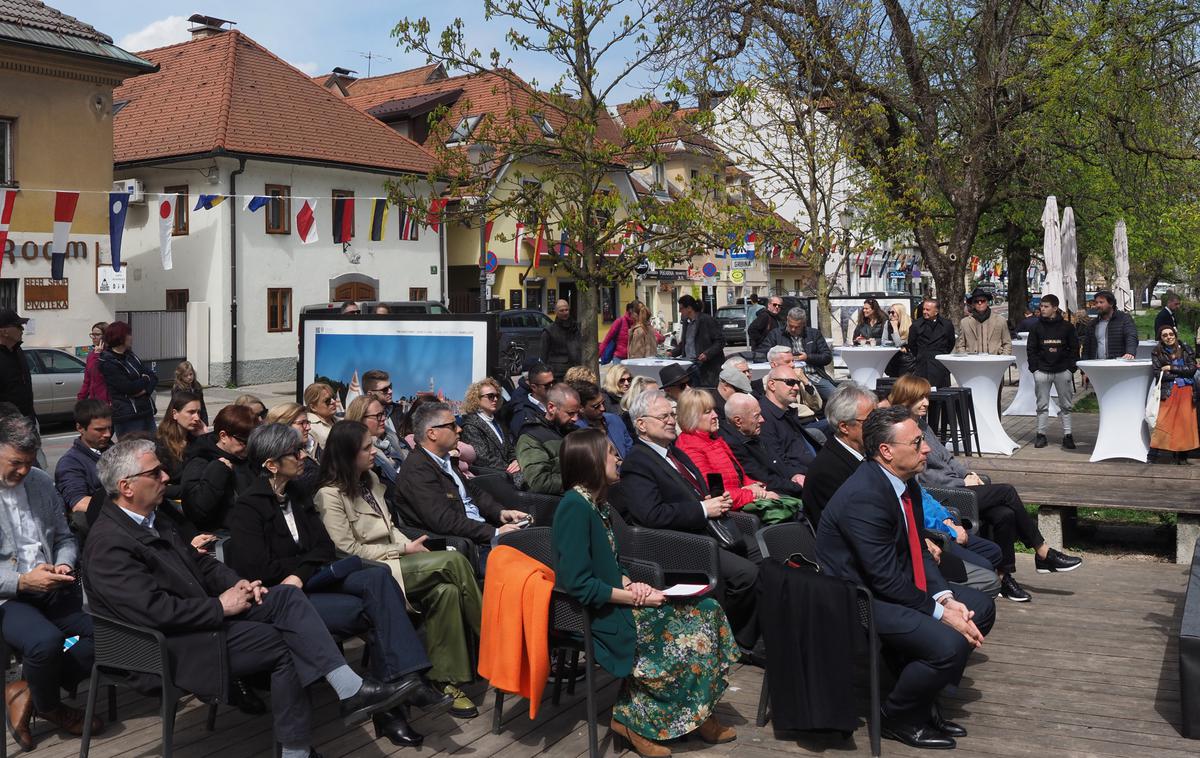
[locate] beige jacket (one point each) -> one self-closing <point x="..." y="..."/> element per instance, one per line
<point x="319" y="429"/>
<point x="642" y="343"/>
<point x="357" y="529"/>
<point x="989" y="337"/>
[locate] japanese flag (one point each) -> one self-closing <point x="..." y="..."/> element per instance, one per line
<point x="166" y="226"/>
<point x="306" y="221"/>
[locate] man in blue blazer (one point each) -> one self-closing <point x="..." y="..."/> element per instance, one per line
<point x="869" y="534"/>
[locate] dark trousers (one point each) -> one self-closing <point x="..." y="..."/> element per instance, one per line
<point x="286" y="636"/>
<point x="139" y="424"/>
<point x="926" y="654"/>
<point x="1000" y="507"/>
<point x="36" y="625"/>
<point x="738" y="582"/>
<point x="371" y="599"/>
<point x="983" y="552"/>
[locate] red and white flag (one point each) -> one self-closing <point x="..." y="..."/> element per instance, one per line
<point x="520" y="235"/>
<point x="166" y="227"/>
<point x="7" y="199"/>
<point x="539" y="246"/>
<point x="306" y="221"/>
<point x="64" y="215"/>
<point x="433" y="219"/>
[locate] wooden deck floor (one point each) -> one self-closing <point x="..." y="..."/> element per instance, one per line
<point x="1087" y="669"/>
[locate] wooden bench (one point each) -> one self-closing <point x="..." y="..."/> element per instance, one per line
<point x="1061" y="487"/>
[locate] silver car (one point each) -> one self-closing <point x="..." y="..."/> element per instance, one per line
<point x="57" y="376"/>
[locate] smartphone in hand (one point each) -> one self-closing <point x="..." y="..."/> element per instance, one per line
<point x="716" y="485"/>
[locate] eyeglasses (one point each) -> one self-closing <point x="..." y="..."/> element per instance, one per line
<point x="301" y="422"/>
<point x="788" y="382"/>
<point x="625" y="380"/>
<point x="663" y="417"/>
<point x="447" y="425"/>
<point x="298" y="453"/>
<point x="328" y="401"/>
<point x="263" y="413"/>
<point x="774" y="305"/>
<point x="541" y="384"/>
<point x="488" y="396"/>
<point x="154" y="473"/>
<point x="239" y="439"/>
<point x="377" y="416"/>
<point x="383" y="390"/>
<point x="597" y="406"/>
<point x="915" y="444"/>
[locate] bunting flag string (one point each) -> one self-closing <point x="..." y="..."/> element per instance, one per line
<point x="306" y="222"/>
<point x="254" y="202"/>
<point x="434" y="217"/>
<point x="8" y="198"/>
<point x="539" y="245"/>
<point x="343" y="219"/>
<point x="517" y="238"/>
<point x="208" y="202"/>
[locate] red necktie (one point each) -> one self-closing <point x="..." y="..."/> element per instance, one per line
<point x="687" y="474"/>
<point x="914" y="542"/>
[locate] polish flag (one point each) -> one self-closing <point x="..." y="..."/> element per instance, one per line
<point x="64" y="214"/>
<point x="7" y="199"/>
<point x="517" y="242"/>
<point x="306" y="222"/>
<point x="166" y="227"/>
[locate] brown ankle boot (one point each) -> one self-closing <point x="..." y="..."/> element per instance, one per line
<point x="19" y="703"/>
<point x="71" y="720"/>
<point x="714" y="733"/>
<point x="642" y="746"/>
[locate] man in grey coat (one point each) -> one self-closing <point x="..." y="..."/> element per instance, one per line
<point x="43" y="618"/>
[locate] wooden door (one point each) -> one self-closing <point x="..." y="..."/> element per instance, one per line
<point x="356" y="291"/>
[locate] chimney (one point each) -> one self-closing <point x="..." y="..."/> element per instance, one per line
<point x="207" y="26"/>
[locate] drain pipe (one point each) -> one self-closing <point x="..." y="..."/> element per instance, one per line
<point x="233" y="301"/>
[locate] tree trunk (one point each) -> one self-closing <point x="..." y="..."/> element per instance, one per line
<point x="1018" y="256"/>
<point x="589" y="310"/>
<point x="824" y="310"/>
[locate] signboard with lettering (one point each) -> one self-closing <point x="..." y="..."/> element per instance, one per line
<point x="109" y="282"/>
<point x="45" y="294"/>
<point x="743" y="263"/>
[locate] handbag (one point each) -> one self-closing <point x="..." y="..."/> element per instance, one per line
<point x="1153" y="399"/>
<point x="726" y="533"/>
<point x="610" y="350"/>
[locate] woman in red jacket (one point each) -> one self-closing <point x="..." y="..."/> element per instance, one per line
<point x="619" y="331"/>
<point x="698" y="422"/>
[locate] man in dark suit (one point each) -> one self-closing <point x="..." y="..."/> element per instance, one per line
<point x="433" y="496"/>
<point x="839" y="458"/>
<point x="782" y="432"/>
<point x="870" y="534"/>
<point x="808" y="345"/>
<point x="930" y="336"/>
<point x="662" y="489"/>
<point x="740" y="429"/>
<point x="1166" y="317"/>
<point x="701" y="341"/>
<point x="141" y="571"/>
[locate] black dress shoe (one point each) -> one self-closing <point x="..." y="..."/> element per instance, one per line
<point x="394" y="725"/>
<point x="427" y="697"/>
<point x="922" y="736"/>
<point x="948" y="728"/>
<point x="373" y="697"/>
<point x="243" y="697"/>
<point x="1010" y="589"/>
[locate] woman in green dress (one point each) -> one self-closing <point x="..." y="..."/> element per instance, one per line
<point x="674" y="655"/>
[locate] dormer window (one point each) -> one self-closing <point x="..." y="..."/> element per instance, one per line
<point x="660" y="178"/>
<point x="463" y="131"/>
<point x="544" y="125"/>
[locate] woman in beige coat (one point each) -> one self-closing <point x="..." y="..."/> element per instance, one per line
<point x="439" y="584"/>
<point x="642" y="341"/>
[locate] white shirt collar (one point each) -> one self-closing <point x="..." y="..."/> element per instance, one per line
<point x="857" y="455"/>
<point x="139" y="519"/>
<point x="656" y="447"/>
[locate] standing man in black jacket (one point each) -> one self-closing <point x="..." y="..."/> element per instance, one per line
<point x="1112" y="334"/>
<point x="1166" y="317"/>
<point x="767" y="320"/>
<point x="1053" y="350"/>
<point x="808" y="345"/>
<point x="701" y="341"/>
<point x="16" y="387"/>
<point x="930" y="336"/>
<point x="560" y="341"/>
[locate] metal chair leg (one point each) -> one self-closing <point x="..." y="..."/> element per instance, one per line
<point x="593" y="742"/>
<point x="169" y="705"/>
<point x="574" y="669"/>
<point x="86" y="739"/>
<point x="497" y="712"/>
<point x="764" y="699"/>
<point x="211" y="723"/>
<point x="560" y="661"/>
<point x="874" y="727"/>
<point x="112" y="703"/>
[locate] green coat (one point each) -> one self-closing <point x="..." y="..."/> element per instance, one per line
<point x="537" y="452"/>
<point x="586" y="568"/>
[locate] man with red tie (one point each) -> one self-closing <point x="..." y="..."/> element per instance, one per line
<point x="661" y="488"/>
<point x="868" y="534"/>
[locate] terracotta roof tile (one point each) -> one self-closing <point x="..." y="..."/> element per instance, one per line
<point x="228" y="93"/>
<point x="38" y="15"/>
<point x="369" y="85"/>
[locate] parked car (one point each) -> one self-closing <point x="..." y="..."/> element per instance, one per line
<point x="734" y="319"/>
<point x="523" y="327"/>
<point x="57" y="376"/>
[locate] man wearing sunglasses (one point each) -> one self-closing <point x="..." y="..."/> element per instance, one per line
<point x="983" y="331"/>
<point x="531" y="404"/>
<point x="768" y="319"/>
<point x="42" y="604"/>
<point x="783" y="435"/>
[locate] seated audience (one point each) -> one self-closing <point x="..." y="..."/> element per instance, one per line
<point x="495" y="447"/>
<point x="181" y="426"/>
<point x="699" y="439"/>
<point x="684" y="649"/>
<point x="75" y="476"/>
<point x="674" y="379"/>
<point x="662" y="489"/>
<point x="295" y="416"/>
<point x="254" y="404"/>
<point x="462" y="454"/>
<point x="617" y="380"/>
<point x="808" y="402"/>
<point x="322" y="410"/>
<point x="440" y="583"/>
<point x="434" y="496"/>
<point x="734" y="378"/>
<point x="806" y="344"/>
<point x="215" y="470"/>
<point x="141" y="571"/>
<point x="533" y="405"/>
<point x="593" y="415"/>
<point x="869" y="535"/>
<point x="741" y="429"/>
<point x="42" y="605"/>
<point x="783" y="434"/>
<point x="639" y="385"/>
<point x="277" y="537"/>
<point x="185" y="381"/>
<point x="541" y="436"/>
<point x="580" y="374"/>
<point x="1000" y="507"/>
<point x="378" y="384"/>
<point x="349" y="307"/>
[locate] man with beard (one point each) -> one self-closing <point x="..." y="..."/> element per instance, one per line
<point x="541" y="438"/>
<point x="983" y="331"/>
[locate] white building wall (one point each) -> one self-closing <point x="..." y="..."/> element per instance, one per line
<point x="202" y="257"/>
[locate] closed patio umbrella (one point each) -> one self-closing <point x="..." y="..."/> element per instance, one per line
<point x="1121" y="287"/>
<point x="1052" y="250"/>
<point x="1070" y="261"/>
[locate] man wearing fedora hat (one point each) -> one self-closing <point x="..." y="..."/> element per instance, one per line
<point x="16" y="387"/>
<point x="674" y="379"/>
<point x="983" y="331"/>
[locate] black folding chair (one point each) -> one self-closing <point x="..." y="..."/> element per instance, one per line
<point x="778" y="542"/>
<point x="500" y="487"/>
<point x="961" y="502"/>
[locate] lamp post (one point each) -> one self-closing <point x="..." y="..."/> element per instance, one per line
<point x="846" y="219"/>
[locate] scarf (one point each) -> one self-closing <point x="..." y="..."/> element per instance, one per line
<point x="981" y="317"/>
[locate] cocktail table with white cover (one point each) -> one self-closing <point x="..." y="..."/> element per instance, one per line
<point x="1121" y="388"/>
<point x="1024" y="403"/>
<point x="866" y="362"/>
<point x="982" y="374"/>
<point x="651" y="367"/>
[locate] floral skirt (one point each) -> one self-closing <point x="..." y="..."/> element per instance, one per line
<point x="1176" y="429"/>
<point x="684" y="653"/>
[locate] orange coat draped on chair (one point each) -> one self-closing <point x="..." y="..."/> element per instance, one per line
<point x="514" y="648"/>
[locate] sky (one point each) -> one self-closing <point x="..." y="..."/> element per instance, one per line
<point x="312" y="36"/>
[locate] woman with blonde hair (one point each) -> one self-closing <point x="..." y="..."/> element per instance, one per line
<point x="253" y="403"/>
<point x="642" y="340"/>
<point x="617" y="380"/>
<point x="185" y="381"/>
<point x="895" y="331"/>
<point x="322" y="410"/>
<point x="494" y="445"/>
<point x="296" y="416"/>
<point x="580" y="374"/>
